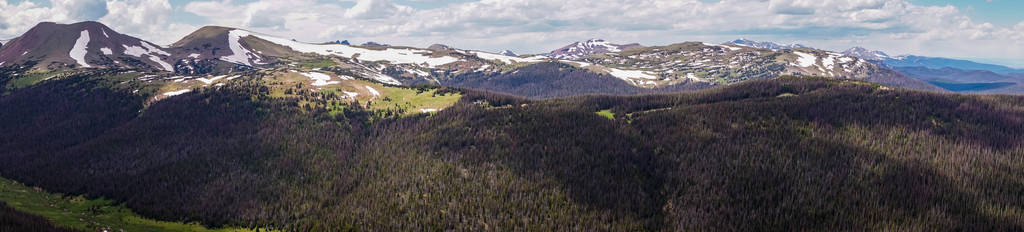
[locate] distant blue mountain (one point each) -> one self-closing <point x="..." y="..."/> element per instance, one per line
<point x="929" y="62"/>
<point x="951" y="74"/>
<point x="939" y="63"/>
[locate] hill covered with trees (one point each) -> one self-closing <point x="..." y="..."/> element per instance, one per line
<point x="791" y="153"/>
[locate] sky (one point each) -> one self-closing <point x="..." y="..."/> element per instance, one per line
<point x="983" y="30"/>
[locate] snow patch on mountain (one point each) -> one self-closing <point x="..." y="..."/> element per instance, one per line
<point x="78" y="51"/>
<point x="320" y="79"/>
<point x="107" y="51"/>
<point x="765" y="45"/>
<point x="239" y="54"/>
<point x="730" y="47"/>
<point x="210" y="80"/>
<point x="866" y="54"/>
<point x="806" y="60"/>
<point x="392" y="55"/>
<point x="151" y="52"/>
<point x="372" y="91"/>
<point x="829" y="62"/>
<point x="416" y="72"/>
<point x="579" y="63"/>
<point x="153" y="49"/>
<point x="176" y="93"/>
<point x="630" y="75"/>
<point x="162" y="63"/>
<point x="379" y="77"/>
<point x="504" y="58"/>
<point x="350" y="94"/>
<point x="134" y="50"/>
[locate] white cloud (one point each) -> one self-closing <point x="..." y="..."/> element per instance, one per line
<point x="82" y="9"/>
<point x="375" y="9"/>
<point x="540" y="25"/>
<point x="274" y="15"/>
<point x="897" y="26"/>
<point x="142" y="18"/>
<point x="145" y="18"/>
<point x="929" y="30"/>
<point x="18" y="18"/>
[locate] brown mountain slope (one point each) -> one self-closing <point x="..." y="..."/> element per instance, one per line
<point x="84" y="44"/>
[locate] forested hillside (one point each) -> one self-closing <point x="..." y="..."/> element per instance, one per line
<point x="786" y="154"/>
<point x="13" y="220"/>
<point x="550" y="80"/>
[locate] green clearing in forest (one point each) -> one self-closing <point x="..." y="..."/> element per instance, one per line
<point x="607" y="114"/>
<point x="79" y="213"/>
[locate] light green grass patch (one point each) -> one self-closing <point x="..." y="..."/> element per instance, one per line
<point x="317" y="63"/>
<point x="786" y="95"/>
<point x="410" y="100"/>
<point x="29" y="79"/>
<point x="87" y="215"/>
<point x="607" y="114"/>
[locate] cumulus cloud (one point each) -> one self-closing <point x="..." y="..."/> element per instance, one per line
<point x="375" y="9"/>
<point x="142" y="18"/>
<point x="831" y="24"/>
<point x="137" y="16"/>
<point x="18" y="18"/>
<point x="82" y="9"/>
<point x="276" y="15"/>
<point x="537" y="25"/>
<point x="147" y="19"/>
<point x="806" y="7"/>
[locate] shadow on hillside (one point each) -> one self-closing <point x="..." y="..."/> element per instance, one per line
<point x="599" y="163"/>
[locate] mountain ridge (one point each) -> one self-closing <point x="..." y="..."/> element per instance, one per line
<point x="951" y="73"/>
<point x="84" y="44"/>
<point x="217" y="50"/>
<point x="581" y="49"/>
<point x="866" y="54"/>
<point x="786" y="149"/>
<point x="765" y="44"/>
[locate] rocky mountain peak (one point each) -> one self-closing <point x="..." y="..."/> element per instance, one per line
<point x="866" y="54"/>
<point x="579" y="50"/>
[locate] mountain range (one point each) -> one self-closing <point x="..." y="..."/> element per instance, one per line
<point x="928" y="62"/>
<point x="607" y="67"/>
<point x="951" y="74"/>
<point x="234" y="130"/>
<point x="765" y="45"/>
